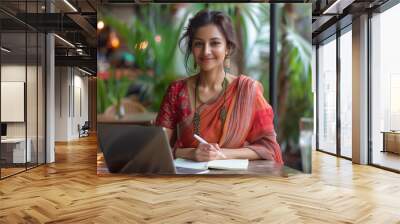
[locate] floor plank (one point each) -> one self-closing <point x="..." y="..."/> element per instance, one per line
<point x="69" y="191"/>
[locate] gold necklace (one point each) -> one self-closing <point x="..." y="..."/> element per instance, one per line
<point x="223" y="111"/>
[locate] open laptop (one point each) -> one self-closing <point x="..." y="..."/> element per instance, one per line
<point x="131" y="149"/>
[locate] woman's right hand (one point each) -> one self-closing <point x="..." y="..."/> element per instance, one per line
<point x="204" y="153"/>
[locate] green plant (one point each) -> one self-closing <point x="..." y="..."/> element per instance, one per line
<point x="295" y="96"/>
<point x="112" y="86"/>
<point x="154" y="44"/>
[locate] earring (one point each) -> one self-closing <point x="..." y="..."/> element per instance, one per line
<point x="227" y="62"/>
<point x="195" y="65"/>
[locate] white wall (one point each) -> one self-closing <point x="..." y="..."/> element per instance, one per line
<point x="14" y="73"/>
<point x="33" y="127"/>
<point x="71" y="94"/>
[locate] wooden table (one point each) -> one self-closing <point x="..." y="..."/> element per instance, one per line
<point x="256" y="168"/>
<point x="391" y="141"/>
<point x="147" y="118"/>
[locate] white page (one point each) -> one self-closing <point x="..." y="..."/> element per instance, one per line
<point x="229" y="164"/>
<point x="190" y="164"/>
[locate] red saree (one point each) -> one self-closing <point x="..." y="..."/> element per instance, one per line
<point x="249" y="121"/>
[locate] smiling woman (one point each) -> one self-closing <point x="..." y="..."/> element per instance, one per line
<point x="228" y="111"/>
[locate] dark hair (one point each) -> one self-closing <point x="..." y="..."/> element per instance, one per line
<point x="203" y="18"/>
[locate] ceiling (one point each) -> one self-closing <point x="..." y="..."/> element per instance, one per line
<point x="331" y="15"/>
<point x="73" y="20"/>
<point x="76" y="20"/>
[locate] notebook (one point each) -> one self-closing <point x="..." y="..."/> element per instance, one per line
<point x="227" y="164"/>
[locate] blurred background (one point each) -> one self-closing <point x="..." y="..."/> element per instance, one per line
<point x="138" y="57"/>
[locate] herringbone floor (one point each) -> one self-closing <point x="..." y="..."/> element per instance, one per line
<point x="69" y="191"/>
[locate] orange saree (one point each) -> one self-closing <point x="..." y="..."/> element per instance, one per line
<point x="249" y="121"/>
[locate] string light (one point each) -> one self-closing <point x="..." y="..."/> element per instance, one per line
<point x="142" y="45"/>
<point x="100" y="25"/>
<point x="157" y="38"/>
<point x="114" y="41"/>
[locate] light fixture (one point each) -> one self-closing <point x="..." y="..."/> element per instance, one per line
<point x="100" y="25"/>
<point x="86" y="72"/>
<point x="337" y="7"/>
<point x="5" y="49"/>
<point x="65" y="41"/>
<point x="79" y="51"/>
<point x="157" y="38"/>
<point x="70" y="5"/>
<point x="114" y="41"/>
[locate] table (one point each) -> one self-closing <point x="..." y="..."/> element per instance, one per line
<point x="147" y="118"/>
<point x="391" y="141"/>
<point x="13" y="150"/>
<point x="256" y="167"/>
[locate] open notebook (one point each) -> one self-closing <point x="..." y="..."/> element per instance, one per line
<point x="227" y="164"/>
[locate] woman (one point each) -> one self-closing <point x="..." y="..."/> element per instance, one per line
<point x="229" y="112"/>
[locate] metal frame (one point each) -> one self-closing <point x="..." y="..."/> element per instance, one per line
<point x="339" y="33"/>
<point x="273" y="69"/>
<point x="44" y="74"/>
<point x="0" y="90"/>
<point x="369" y="78"/>
<point x="338" y="97"/>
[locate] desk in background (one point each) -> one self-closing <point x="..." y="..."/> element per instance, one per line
<point x="391" y="141"/>
<point x="147" y="118"/>
<point x="13" y="150"/>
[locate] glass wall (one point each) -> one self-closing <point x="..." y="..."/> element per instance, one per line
<point x="346" y="93"/>
<point x="22" y="90"/>
<point x="385" y="89"/>
<point x="327" y="96"/>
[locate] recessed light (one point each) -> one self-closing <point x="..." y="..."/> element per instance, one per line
<point x="64" y="40"/>
<point x="5" y="49"/>
<point x="70" y="5"/>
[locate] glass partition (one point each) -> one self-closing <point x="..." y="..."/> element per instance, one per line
<point x="385" y="89"/>
<point x="13" y="109"/>
<point x="346" y="94"/>
<point x="22" y="90"/>
<point x="327" y="96"/>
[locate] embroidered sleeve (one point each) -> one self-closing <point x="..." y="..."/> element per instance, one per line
<point x="171" y="107"/>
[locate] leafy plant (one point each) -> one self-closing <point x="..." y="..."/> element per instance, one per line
<point x="154" y="43"/>
<point x="112" y="86"/>
<point x="295" y="96"/>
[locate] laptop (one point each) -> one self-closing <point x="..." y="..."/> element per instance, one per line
<point x="135" y="149"/>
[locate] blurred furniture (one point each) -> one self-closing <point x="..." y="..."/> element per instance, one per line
<point x="134" y="113"/>
<point x="391" y="141"/>
<point x="13" y="150"/>
<point x="147" y="118"/>
<point x="129" y="107"/>
<point x="84" y="130"/>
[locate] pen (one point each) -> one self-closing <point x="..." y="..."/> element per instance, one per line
<point x="201" y="140"/>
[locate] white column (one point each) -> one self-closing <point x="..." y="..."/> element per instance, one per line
<point x="360" y="90"/>
<point x="50" y="93"/>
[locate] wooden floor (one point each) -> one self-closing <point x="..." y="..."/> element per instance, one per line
<point x="69" y="191"/>
<point x="387" y="159"/>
